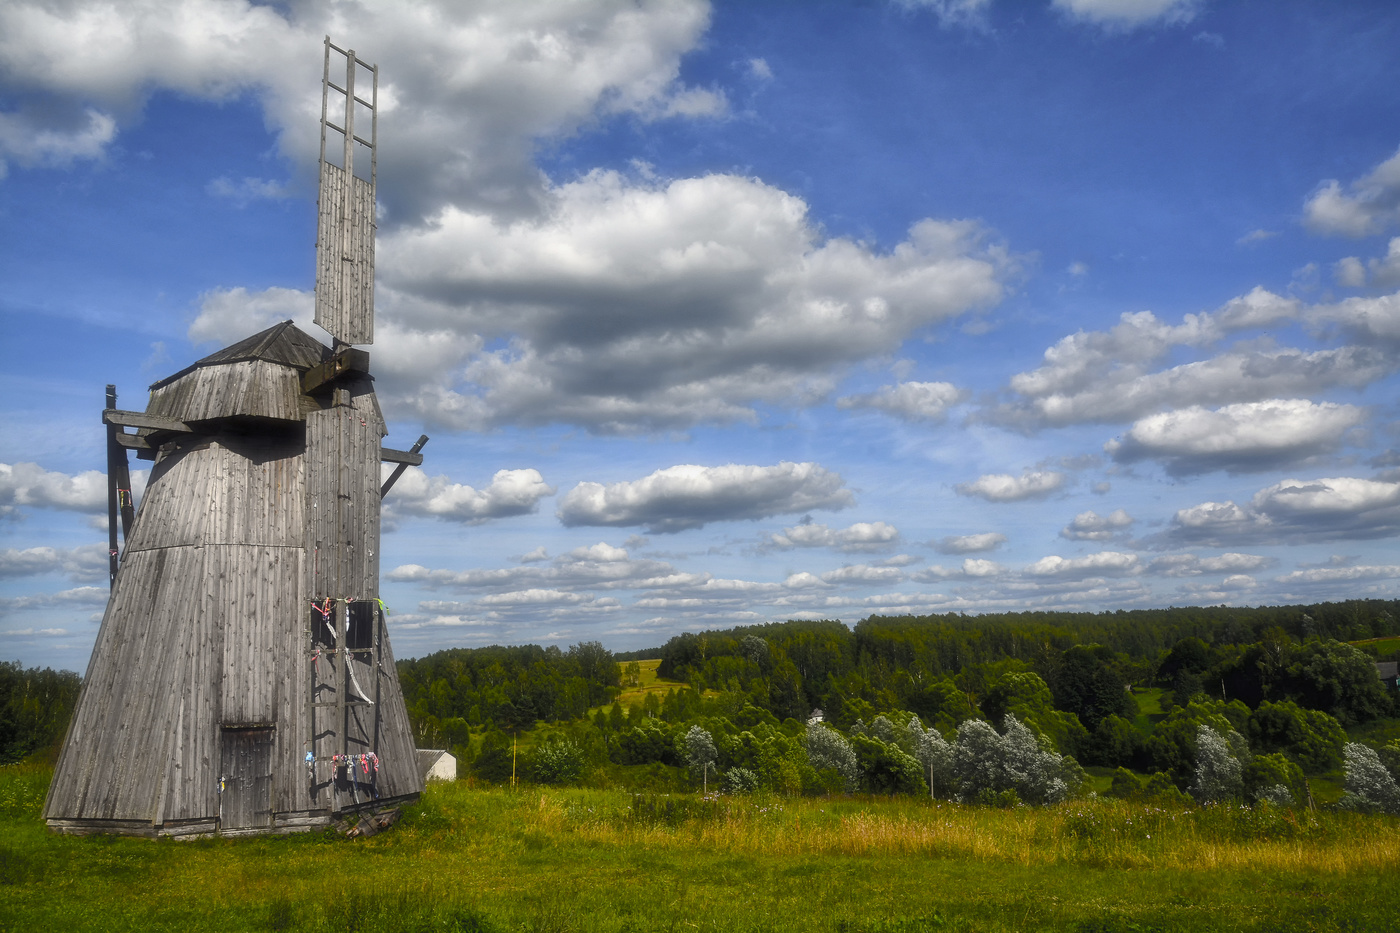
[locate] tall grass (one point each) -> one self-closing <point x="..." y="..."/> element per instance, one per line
<point x="583" y="860"/>
<point x="1098" y="832"/>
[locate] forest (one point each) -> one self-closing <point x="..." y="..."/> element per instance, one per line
<point x="893" y="704"/>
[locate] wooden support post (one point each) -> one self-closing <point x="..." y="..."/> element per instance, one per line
<point x="119" y="500"/>
<point x="125" y="503"/>
<point x="398" y="470"/>
<point x="112" y="491"/>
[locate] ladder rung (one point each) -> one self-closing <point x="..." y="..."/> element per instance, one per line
<point x="335" y="86"/>
<point x="338" y="129"/>
<point x="364" y="142"/>
<point x="362" y="100"/>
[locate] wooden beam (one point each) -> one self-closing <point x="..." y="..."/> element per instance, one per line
<point x="346" y="362"/>
<point x="402" y="464"/>
<point x="406" y="457"/>
<point x="139" y="419"/>
<point x="132" y="441"/>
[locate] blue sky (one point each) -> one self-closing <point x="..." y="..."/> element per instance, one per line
<point x="732" y="313"/>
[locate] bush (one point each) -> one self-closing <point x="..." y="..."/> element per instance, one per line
<point x="935" y="757"/>
<point x="1173" y="743"/>
<point x="645" y="743"/>
<point x="1310" y="737"/>
<point x="1114" y="742"/>
<point x="985" y="761"/>
<point x="1370" y="787"/>
<point x="886" y="768"/>
<point x="493" y="762"/>
<point x="558" y="762"/>
<point x="1156" y="789"/>
<point x="1126" y="785"/>
<point x="739" y="781"/>
<point x="1219" y="771"/>
<point x="1274" y="778"/>
<point x="828" y="750"/>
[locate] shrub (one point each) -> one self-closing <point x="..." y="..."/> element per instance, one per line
<point x="828" y="750"/>
<point x="558" y="762"/>
<point x="493" y="761"/>
<point x="739" y="781"/>
<point x="1266" y="775"/>
<point x="1219" y="772"/>
<point x="886" y="768"/>
<point x="935" y="757"/>
<point x="986" y="761"/>
<point x="1310" y="737"/>
<point x="1173" y="743"/>
<point x="1370" y="788"/>
<point x="645" y="743"/>
<point x="1114" y="742"/>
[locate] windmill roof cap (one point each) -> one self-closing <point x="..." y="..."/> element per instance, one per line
<point x="283" y="343"/>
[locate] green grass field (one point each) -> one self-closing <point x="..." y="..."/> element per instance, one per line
<point x="566" y="860"/>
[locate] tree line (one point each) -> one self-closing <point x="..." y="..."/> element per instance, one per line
<point x="35" y="706"/>
<point x="933" y="703"/>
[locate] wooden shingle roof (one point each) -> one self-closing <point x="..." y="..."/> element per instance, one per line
<point x="283" y="343"/>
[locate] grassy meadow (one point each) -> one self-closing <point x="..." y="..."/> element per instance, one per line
<point x="467" y="859"/>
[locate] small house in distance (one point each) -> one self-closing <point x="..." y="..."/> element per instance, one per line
<point x="436" y="764"/>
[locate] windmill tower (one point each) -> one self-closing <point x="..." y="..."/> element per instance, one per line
<point x="242" y="680"/>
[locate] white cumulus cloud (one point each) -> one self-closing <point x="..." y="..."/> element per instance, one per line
<point x="1003" y="487"/>
<point x="1294" y="511"/>
<point x="637" y="304"/>
<point x="863" y="574"/>
<point x="28" y="484"/>
<point x="1115" y="375"/>
<point x="521" y="71"/>
<point x="1091" y="526"/>
<point x="1102" y="564"/>
<point x="86" y="562"/>
<point x="861" y="536"/>
<point x="227" y="315"/>
<point x="512" y="492"/>
<point x="911" y="401"/>
<point x="1367" y="206"/>
<point x="690" y="496"/>
<point x="970" y="544"/>
<point x="1248" y="436"/>
<point x="1189" y="565"/>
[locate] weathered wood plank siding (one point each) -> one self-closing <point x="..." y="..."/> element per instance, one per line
<point x="398" y="769"/>
<point x="246" y="389"/>
<point x="206" y="633"/>
<point x="228" y="489"/>
<point x="345" y="258"/>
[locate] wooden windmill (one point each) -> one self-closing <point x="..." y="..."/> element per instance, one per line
<point x="242" y="680"/>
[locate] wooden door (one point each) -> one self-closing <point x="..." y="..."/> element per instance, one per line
<point x="246" y="799"/>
